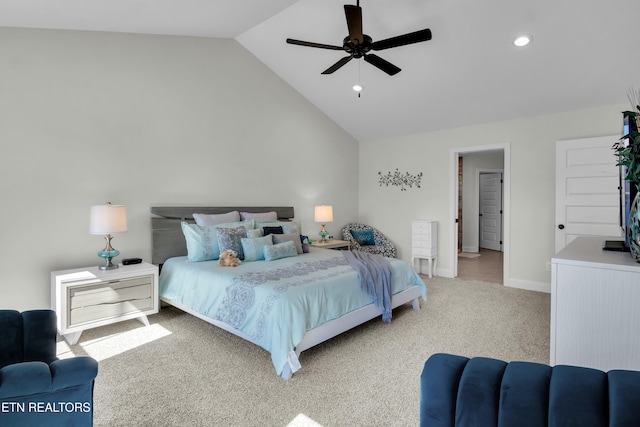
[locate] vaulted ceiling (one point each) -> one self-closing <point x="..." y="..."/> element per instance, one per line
<point x="584" y="53"/>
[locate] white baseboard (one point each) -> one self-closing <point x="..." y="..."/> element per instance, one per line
<point x="529" y="285"/>
<point x="470" y="249"/>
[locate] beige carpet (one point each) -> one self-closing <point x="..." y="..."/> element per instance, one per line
<point x="181" y="371"/>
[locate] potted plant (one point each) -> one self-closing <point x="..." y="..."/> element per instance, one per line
<point x="627" y="149"/>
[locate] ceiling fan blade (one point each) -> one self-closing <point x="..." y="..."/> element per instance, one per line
<point x="337" y="65"/>
<point x="354" y="23"/>
<point x="382" y="64"/>
<point x="310" y="44"/>
<point x="405" y="39"/>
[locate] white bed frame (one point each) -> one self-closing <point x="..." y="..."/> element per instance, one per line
<point x="166" y="226"/>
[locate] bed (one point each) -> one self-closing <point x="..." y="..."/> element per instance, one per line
<point x="285" y="305"/>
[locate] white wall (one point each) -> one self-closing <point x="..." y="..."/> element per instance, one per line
<point x="88" y="117"/>
<point x="532" y="146"/>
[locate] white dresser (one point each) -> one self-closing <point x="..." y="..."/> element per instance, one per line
<point x="424" y="244"/>
<point x="595" y="307"/>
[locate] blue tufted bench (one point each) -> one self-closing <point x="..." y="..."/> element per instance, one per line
<point x="458" y="391"/>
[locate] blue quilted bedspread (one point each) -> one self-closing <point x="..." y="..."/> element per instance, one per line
<point x="275" y="303"/>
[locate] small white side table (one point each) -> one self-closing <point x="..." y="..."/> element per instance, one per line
<point x="424" y="244"/>
<point x="85" y="298"/>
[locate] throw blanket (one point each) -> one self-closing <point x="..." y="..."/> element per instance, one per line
<point x="376" y="278"/>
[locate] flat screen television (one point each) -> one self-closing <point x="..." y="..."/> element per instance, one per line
<point x="627" y="191"/>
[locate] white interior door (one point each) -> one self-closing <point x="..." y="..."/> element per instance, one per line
<point x="587" y="195"/>
<point x="490" y="211"/>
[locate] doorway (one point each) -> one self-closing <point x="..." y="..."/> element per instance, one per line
<point x="466" y="224"/>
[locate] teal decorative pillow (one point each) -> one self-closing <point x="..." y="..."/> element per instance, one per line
<point x="253" y="247"/>
<point x="202" y="242"/>
<point x="255" y="232"/>
<point x="363" y="237"/>
<point x="231" y="238"/>
<point x="280" y="250"/>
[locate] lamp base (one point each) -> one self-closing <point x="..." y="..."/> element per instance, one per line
<point x="108" y="253"/>
<point x="323" y="235"/>
<point x="109" y="265"/>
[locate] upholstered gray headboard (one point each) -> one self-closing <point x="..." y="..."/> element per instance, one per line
<point x="168" y="240"/>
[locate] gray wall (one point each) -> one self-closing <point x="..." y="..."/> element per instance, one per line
<point x="88" y="117"/>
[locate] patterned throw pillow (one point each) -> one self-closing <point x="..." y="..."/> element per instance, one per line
<point x="231" y="238"/>
<point x="253" y="247"/>
<point x="280" y="250"/>
<point x="363" y="237"/>
<point x="295" y="238"/>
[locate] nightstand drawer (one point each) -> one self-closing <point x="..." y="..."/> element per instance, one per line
<point x="416" y="252"/>
<point x="110" y="299"/>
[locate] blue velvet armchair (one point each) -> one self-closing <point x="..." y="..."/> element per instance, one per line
<point x="36" y="388"/>
<point x="457" y="391"/>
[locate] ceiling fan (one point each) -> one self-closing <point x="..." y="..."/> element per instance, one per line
<point x="357" y="44"/>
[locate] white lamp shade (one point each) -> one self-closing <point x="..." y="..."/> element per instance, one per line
<point x="323" y="214"/>
<point x="107" y="219"/>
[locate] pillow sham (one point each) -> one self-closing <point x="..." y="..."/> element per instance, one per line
<point x="259" y="216"/>
<point x="215" y="219"/>
<point x="280" y="250"/>
<point x="292" y="237"/>
<point x="253" y="248"/>
<point x="202" y="242"/>
<point x="231" y="238"/>
<point x="363" y="237"/>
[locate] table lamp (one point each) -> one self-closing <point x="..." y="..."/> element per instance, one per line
<point x="323" y="214"/>
<point x="107" y="219"/>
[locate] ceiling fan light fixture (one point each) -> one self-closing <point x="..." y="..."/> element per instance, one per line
<point x="357" y="87"/>
<point x="522" y="41"/>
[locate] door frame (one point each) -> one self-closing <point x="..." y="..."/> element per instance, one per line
<point x="454" y="154"/>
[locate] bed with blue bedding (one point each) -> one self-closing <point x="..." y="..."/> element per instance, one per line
<point x="285" y="305"/>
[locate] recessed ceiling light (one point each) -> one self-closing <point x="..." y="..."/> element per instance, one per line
<point x="522" y="41"/>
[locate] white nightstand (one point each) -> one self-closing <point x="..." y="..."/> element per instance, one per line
<point x="86" y="298"/>
<point x="332" y="244"/>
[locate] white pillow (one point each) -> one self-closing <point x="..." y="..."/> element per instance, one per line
<point x="215" y="219"/>
<point x="260" y="216"/>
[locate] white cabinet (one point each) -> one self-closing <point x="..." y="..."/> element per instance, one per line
<point x="424" y="244"/>
<point x="595" y="307"/>
<point x="85" y="298"/>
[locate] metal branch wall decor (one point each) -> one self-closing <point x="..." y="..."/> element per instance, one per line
<point x="400" y="180"/>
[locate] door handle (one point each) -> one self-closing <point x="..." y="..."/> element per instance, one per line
<point x="561" y="226"/>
